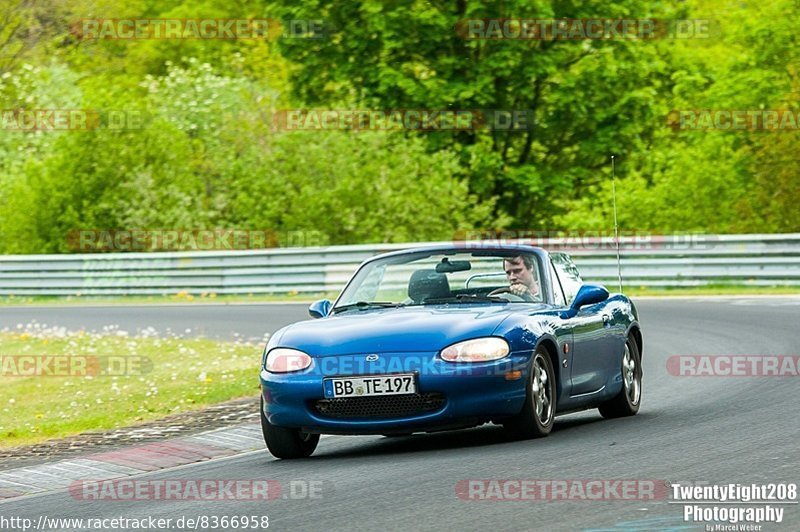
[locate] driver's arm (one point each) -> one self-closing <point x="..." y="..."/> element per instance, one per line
<point x="520" y="290"/>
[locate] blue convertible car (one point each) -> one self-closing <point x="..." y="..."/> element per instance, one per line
<point x="449" y="337"/>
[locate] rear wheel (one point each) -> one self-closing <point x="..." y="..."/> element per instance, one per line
<point x="537" y="415"/>
<point x="627" y="401"/>
<point x="287" y="443"/>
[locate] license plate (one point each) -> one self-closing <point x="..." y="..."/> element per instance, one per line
<point x="370" y="386"/>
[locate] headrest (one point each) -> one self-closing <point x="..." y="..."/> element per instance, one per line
<point x="427" y="284"/>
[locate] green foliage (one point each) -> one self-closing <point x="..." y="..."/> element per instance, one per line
<point x="590" y="99"/>
<point x="206" y="156"/>
<point x="587" y="98"/>
<point x="716" y="181"/>
<point x="365" y="187"/>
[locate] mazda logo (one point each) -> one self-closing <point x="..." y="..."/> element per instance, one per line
<point x="372" y="358"/>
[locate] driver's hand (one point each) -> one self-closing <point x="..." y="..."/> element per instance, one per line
<point x="518" y="289"/>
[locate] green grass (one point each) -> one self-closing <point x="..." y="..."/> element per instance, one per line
<point x="711" y="290"/>
<point x="184" y="298"/>
<point x="180" y="298"/>
<point x="186" y="374"/>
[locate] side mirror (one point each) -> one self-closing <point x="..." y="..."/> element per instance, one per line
<point x="319" y="309"/>
<point x="589" y="294"/>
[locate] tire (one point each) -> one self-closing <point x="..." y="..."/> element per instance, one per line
<point x="287" y="443"/>
<point x="627" y="401"/>
<point x="537" y="415"/>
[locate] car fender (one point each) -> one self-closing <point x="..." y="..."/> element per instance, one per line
<point x="526" y="332"/>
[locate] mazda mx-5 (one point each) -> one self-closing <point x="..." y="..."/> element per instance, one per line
<point x="449" y="337"/>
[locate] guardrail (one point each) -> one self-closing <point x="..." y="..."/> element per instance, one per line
<point x="673" y="261"/>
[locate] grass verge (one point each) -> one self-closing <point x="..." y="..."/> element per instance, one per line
<point x="181" y="298"/>
<point x="184" y="298"/>
<point x="107" y="381"/>
<point x="710" y="290"/>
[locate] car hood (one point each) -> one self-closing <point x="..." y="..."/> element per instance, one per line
<point x="410" y="329"/>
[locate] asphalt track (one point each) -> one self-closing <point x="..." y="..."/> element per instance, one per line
<point x="709" y="430"/>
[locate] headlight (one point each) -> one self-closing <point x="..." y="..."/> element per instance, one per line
<point x="478" y="350"/>
<point x="284" y="360"/>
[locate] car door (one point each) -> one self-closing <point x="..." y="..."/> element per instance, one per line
<point x="589" y="358"/>
<point x="587" y="364"/>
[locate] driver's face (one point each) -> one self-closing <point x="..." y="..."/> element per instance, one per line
<point x="517" y="273"/>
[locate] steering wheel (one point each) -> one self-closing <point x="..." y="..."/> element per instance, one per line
<point x="501" y="290"/>
<point x="508" y="295"/>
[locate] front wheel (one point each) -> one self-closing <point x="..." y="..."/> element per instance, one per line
<point x="287" y="443"/>
<point x="537" y="415"/>
<point x="627" y="401"/>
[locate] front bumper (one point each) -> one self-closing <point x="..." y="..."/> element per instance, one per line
<point x="470" y="393"/>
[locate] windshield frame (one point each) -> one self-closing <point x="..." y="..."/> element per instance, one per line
<point x="539" y="255"/>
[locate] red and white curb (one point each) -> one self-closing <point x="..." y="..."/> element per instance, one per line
<point x="131" y="460"/>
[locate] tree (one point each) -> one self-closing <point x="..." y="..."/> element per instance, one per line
<point x="588" y="98"/>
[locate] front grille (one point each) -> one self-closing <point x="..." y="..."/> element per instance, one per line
<point x="386" y="406"/>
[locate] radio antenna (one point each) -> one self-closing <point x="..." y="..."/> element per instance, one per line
<point x="616" y="229"/>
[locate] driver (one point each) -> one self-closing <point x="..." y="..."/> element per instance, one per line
<point x="519" y="272"/>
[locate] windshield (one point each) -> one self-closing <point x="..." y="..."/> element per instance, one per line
<point x="445" y="278"/>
